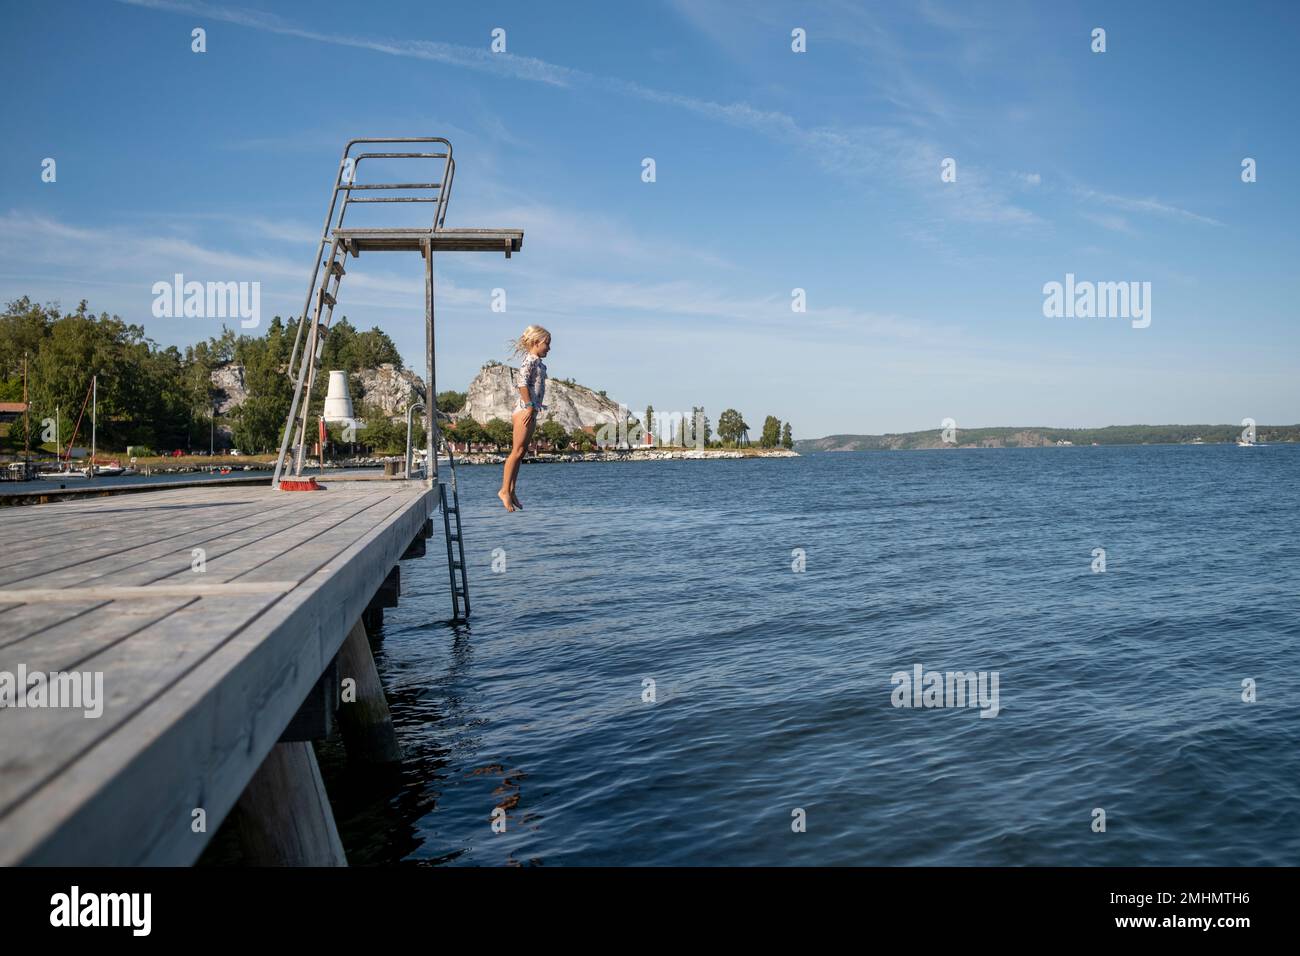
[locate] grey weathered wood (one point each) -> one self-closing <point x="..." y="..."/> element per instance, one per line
<point x="197" y="698"/>
<point x="78" y="550"/>
<point x="366" y="723"/>
<point x="82" y="539"/>
<point x="53" y="493"/>
<point x="26" y="620"/>
<point x="67" y="643"/>
<point x="71" y="540"/>
<point x="136" y="671"/>
<point x="284" y="816"/>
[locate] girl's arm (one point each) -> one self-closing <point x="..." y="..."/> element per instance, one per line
<point x="527" y="370"/>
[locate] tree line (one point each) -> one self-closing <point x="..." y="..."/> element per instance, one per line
<point x="733" y="431"/>
<point x="156" y="399"/>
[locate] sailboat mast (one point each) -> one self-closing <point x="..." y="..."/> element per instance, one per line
<point x="94" y="416"/>
<point x="27" y="423"/>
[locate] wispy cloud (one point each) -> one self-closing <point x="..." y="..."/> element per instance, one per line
<point x="841" y="150"/>
<point x="134" y="259"/>
<point x="473" y="58"/>
<point x="1108" y="220"/>
<point x="1149" y="206"/>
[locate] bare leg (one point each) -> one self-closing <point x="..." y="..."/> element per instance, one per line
<point x="522" y="430"/>
<point x="514" y="475"/>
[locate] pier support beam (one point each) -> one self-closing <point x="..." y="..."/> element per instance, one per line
<point x="284" y="816"/>
<point x="385" y="596"/>
<point x="366" y="723"/>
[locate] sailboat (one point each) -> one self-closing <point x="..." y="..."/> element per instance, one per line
<point x="65" y="467"/>
<point x="108" y="469"/>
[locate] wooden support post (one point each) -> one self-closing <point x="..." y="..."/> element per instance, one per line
<point x="415" y="549"/>
<point x="373" y="616"/>
<point x="391" y="589"/>
<point x="363" y="713"/>
<point x="284" y="816"/>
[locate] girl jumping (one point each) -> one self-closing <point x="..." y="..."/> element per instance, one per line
<point x="531" y="382"/>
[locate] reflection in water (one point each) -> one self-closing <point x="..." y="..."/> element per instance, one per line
<point x="377" y="809"/>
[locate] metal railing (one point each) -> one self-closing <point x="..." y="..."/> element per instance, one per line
<point x="409" y="410"/>
<point x="345" y="181"/>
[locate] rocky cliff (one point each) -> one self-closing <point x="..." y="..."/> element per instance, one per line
<point x="492" y="395"/>
<point x="388" y="387"/>
<point x="228" y="380"/>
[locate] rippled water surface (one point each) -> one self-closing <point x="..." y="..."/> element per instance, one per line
<point x="1119" y="690"/>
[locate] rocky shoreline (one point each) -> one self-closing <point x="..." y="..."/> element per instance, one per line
<point x="242" y="465"/>
<point x="636" y="454"/>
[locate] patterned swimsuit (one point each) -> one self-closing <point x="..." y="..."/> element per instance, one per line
<point x="532" y="376"/>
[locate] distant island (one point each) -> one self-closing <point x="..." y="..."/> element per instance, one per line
<point x="1036" y="437"/>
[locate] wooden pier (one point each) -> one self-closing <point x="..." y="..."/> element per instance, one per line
<point x="224" y="621"/>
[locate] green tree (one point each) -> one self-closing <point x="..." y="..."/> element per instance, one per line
<point x="451" y="402"/>
<point x="467" y="431"/>
<point x="553" y="432"/>
<point x="499" y="433"/>
<point x="731" y="427"/>
<point x="771" y="436"/>
<point x="380" y="434"/>
<point x="259" y="422"/>
<point x="787" y="438"/>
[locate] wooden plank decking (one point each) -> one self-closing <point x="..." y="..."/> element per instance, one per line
<point x="202" y="671"/>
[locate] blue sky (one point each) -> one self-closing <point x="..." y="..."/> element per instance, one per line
<point x="775" y="170"/>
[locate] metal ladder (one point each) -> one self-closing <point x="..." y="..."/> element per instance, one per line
<point x="327" y="294"/>
<point x="322" y="292"/>
<point x="432" y="170"/>
<point x="450" y="509"/>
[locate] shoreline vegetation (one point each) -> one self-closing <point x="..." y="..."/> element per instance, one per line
<point x="243" y="464"/>
<point x="231" y="393"/>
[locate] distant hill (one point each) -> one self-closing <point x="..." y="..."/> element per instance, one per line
<point x="1032" y="437"/>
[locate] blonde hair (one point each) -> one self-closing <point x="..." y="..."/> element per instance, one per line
<point x="532" y="336"/>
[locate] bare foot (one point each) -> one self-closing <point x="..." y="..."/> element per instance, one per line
<point x="505" y="500"/>
<point x="515" y="501"/>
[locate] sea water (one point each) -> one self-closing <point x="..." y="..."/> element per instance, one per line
<point x="690" y="663"/>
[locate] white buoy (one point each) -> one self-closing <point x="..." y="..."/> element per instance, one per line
<point x="338" y="399"/>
